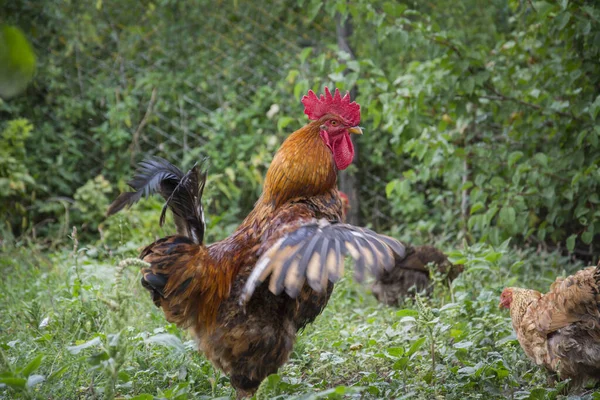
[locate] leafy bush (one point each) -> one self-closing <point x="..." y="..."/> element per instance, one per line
<point x="483" y="120"/>
<point x="79" y="320"/>
<point x="15" y="180"/>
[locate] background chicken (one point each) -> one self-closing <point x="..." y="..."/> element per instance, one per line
<point x="560" y="330"/>
<point x="293" y="235"/>
<point x="410" y="273"/>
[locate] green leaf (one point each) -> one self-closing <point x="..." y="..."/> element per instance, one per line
<point x="514" y="157"/>
<point x="32" y="366"/>
<point x="395" y="351"/>
<point x="543" y="8"/>
<point x="58" y="373"/>
<point x="593" y="12"/>
<point x="300" y="88"/>
<point x="468" y="85"/>
<point x="15" y="383"/>
<point x="497" y="182"/>
<point x="415" y="346"/>
<point x="474" y="220"/>
<point x="587" y="237"/>
<point x="595" y="108"/>
<point x="467" y="370"/>
<point x="478" y="267"/>
<point x="337" y="77"/>
<point x="507" y="216"/>
<point x="542" y="159"/>
<point x="476" y="207"/>
<point x="353" y="65"/>
<point x="291" y="76"/>
<point x="463" y="345"/>
<point x="571" y="242"/>
<point x="283" y="122"/>
<point x="314" y="7"/>
<point x="96" y="359"/>
<point x="400" y="364"/>
<point x="449" y="306"/>
<point x="389" y="188"/>
<point x="393" y="9"/>
<point x="458" y="261"/>
<point x="168" y="340"/>
<point x="493" y="257"/>
<point x="516" y="266"/>
<point x="77" y="349"/>
<point x="563" y="19"/>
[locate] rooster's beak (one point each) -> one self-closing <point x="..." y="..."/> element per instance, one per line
<point x="355" y="129"/>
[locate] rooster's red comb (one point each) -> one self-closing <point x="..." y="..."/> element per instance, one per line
<point x="315" y="107"/>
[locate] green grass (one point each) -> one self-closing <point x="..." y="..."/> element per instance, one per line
<point x="71" y="319"/>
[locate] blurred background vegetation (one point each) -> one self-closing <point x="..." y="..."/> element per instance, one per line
<point x="481" y="120"/>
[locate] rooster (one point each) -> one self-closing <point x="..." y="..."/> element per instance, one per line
<point x="294" y="238"/>
<point x="560" y="330"/>
<point x="410" y="273"/>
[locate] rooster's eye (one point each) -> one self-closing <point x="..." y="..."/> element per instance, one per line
<point x="334" y="123"/>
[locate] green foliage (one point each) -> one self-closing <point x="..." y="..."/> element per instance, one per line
<point x="482" y="121"/>
<point x="91" y="200"/>
<point x="124" y="80"/>
<point x="17" y="186"/>
<point x="21" y="380"/>
<point x="78" y="323"/>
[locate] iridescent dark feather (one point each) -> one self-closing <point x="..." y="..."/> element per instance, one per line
<point x="182" y="193"/>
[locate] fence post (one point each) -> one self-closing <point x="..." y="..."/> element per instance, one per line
<point x="349" y="181"/>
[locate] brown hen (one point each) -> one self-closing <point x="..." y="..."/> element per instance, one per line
<point x="560" y="330"/>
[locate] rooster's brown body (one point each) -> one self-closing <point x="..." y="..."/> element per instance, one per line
<point x="247" y="343"/>
<point x="293" y="234"/>
<point x="560" y="330"/>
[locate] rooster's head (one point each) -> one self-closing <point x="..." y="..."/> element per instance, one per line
<point x="337" y="117"/>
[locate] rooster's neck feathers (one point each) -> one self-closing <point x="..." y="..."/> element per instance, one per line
<point x="302" y="167"/>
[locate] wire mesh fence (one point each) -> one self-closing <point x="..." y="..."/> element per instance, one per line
<point x="138" y="78"/>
